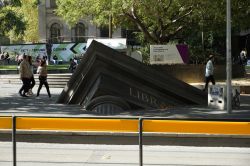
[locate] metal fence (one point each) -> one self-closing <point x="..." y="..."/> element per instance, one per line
<point x="116" y="124"/>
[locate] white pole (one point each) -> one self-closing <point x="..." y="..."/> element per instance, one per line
<point x="229" y="59"/>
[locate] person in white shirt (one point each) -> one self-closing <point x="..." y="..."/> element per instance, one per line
<point x="243" y="57"/>
<point x="209" y="74"/>
<point x="42" y="71"/>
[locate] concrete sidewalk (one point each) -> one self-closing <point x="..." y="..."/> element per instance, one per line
<point x="12" y="103"/>
<point x="42" y="154"/>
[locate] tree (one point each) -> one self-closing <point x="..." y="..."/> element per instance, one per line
<point x="163" y="21"/>
<point x="158" y="20"/>
<point x="9" y="20"/>
<point x="212" y="24"/>
<point x="29" y="13"/>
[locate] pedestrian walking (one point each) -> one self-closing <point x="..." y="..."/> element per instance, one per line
<point x="243" y="57"/>
<point x="55" y="59"/>
<point x="32" y="79"/>
<point x="72" y="65"/>
<point x="42" y="71"/>
<point x="7" y="58"/>
<point x="2" y="56"/>
<point x="25" y="76"/>
<point x="209" y="74"/>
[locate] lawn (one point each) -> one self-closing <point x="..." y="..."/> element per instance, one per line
<point x="50" y="67"/>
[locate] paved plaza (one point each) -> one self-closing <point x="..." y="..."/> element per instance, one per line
<point x="11" y="103"/>
<point x="224" y="152"/>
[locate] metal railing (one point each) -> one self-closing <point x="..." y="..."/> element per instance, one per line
<point x="138" y="125"/>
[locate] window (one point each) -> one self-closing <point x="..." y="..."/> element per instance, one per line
<point x="55" y="33"/>
<point x="104" y="32"/>
<point x="80" y="32"/>
<point x="53" y="4"/>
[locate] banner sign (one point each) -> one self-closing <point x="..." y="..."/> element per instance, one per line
<point x="168" y="54"/>
<point x="63" y="51"/>
<point x="28" y="49"/>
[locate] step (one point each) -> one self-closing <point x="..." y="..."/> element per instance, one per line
<point x="54" y="80"/>
<point x="10" y="80"/>
<point x="37" y="81"/>
<point x="16" y="76"/>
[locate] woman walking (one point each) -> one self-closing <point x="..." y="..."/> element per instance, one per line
<point x="42" y="71"/>
<point x="32" y="79"/>
<point x="25" y="76"/>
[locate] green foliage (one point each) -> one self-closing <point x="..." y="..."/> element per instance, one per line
<point x="159" y="20"/>
<point x="159" y="23"/>
<point x="9" y="20"/>
<point x="240" y="14"/>
<point x="145" y="53"/>
<point x="50" y="67"/>
<point x="162" y="21"/>
<point x="211" y="20"/>
<point x="97" y="12"/>
<point x="4" y="3"/>
<point x="19" y="20"/>
<point x="29" y="14"/>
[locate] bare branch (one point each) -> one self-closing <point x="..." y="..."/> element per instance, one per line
<point x="184" y="15"/>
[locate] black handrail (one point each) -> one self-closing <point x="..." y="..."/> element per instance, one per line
<point x="140" y="128"/>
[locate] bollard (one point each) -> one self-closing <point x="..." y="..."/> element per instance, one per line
<point x="140" y="142"/>
<point x="14" y="139"/>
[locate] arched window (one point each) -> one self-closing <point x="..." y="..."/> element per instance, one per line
<point x="55" y="33"/>
<point x="80" y="32"/>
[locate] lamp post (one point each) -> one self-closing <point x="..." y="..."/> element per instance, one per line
<point x="110" y="21"/>
<point x="202" y="40"/>
<point x="229" y="59"/>
<point x="110" y="25"/>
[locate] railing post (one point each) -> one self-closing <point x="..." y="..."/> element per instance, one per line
<point x="140" y="142"/>
<point x="14" y="139"/>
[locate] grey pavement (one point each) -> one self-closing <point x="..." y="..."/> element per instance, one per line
<point x="11" y="103"/>
<point x="41" y="154"/>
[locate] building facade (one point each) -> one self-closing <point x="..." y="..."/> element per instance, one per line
<point x="54" y="29"/>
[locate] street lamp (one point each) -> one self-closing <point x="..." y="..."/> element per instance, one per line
<point x="229" y="59"/>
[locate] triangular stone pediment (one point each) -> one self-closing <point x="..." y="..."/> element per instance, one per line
<point x="106" y="77"/>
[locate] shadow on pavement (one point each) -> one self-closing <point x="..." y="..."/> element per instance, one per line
<point x="12" y="103"/>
